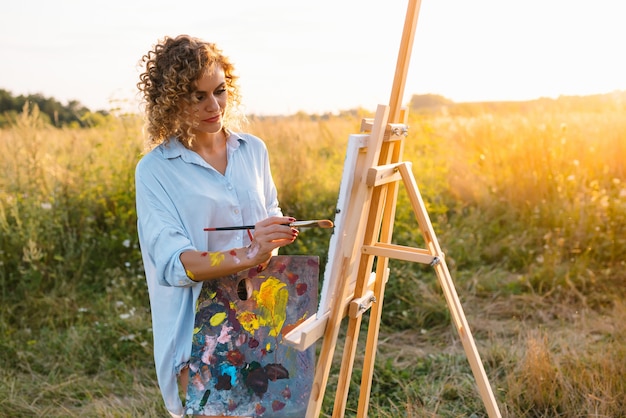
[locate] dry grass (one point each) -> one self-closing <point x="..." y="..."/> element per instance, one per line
<point x="529" y="205"/>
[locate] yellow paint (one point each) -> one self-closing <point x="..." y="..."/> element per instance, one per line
<point x="216" y="259"/>
<point x="197" y="330"/>
<point x="249" y="321"/>
<point x="217" y="319"/>
<point x="190" y="274"/>
<point x="271" y="300"/>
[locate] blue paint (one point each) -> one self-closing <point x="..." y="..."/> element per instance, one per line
<point x="229" y="370"/>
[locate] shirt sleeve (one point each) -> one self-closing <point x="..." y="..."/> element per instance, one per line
<point x="161" y="234"/>
<point x="271" y="194"/>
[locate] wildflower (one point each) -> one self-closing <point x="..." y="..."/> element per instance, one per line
<point x="128" y="337"/>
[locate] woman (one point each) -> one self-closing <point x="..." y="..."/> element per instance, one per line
<point x="199" y="173"/>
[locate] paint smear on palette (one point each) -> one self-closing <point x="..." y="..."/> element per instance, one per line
<point x="240" y="365"/>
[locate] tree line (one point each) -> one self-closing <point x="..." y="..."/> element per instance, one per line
<point x="72" y="114"/>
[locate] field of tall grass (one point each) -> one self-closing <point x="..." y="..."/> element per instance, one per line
<point x="528" y="201"/>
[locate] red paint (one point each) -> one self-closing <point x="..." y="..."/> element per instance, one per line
<point x="292" y="277"/>
<point x="277" y="405"/>
<point x="235" y="357"/>
<point x="286" y="393"/>
<point x="301" y="288"/>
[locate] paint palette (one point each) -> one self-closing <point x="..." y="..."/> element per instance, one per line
<point x="239" y="364"/>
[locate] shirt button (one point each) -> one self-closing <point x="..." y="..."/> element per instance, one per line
<point x="236" y="211"/>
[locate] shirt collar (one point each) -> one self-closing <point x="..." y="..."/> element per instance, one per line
<point x="174" y="148"/>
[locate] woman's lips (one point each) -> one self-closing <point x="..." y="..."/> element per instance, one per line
<point x="212" y="119"/>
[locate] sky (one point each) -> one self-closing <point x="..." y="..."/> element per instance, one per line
<point x="323" y="55"/>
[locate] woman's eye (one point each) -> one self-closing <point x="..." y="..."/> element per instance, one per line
<point x="221" y="91"/>
<point x="199" y="97"/>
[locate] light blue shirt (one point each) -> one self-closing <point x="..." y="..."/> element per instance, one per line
<point x="178" y="195"/>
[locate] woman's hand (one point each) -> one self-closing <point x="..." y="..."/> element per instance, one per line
<point x="269" y="235"/>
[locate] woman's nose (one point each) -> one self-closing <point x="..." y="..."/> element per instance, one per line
<point x="212" y="103"/>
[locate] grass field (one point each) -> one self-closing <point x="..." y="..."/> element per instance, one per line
<point x="528" y="201"/>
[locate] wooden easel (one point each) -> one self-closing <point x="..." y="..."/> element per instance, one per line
<point x="372" y="175"/>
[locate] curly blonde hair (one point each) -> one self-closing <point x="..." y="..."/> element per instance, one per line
<point x="172" y="69"/>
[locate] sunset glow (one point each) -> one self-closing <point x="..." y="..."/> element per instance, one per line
<point x="325" y="55"/>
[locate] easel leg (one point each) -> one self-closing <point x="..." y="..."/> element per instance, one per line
<point x="347" y="364"/>
<point x="371" y="345"/>
<point x="467" y="339"/>
<point x="329" y="343"/>
<point x="382" y="274"/>
<point x="449" y="291"/>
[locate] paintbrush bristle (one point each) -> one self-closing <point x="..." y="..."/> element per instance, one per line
<point x="325" y="223"/>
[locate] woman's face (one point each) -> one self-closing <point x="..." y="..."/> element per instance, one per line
<point x="210" y="99"/>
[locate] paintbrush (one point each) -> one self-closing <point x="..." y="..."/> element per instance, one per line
<point x="320" y="223"/>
